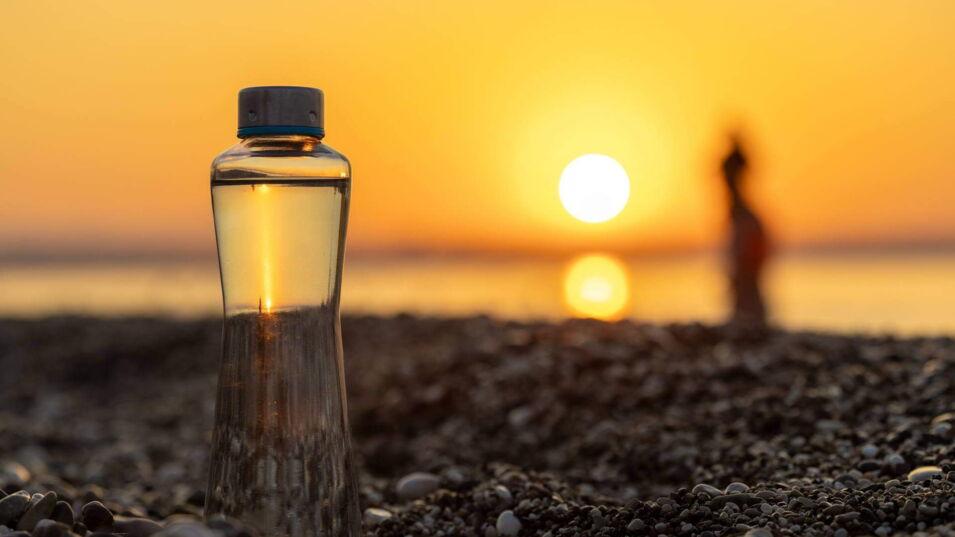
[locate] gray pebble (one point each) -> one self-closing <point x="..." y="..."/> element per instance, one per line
<point x="759" y="532"/>
<point x="709" y="490"/>
<point x="508" y="524"/>
<point x="736" y="487"/>
<point x="63" y="513"/>
<point x="18" y="534"/>
<point x="39" y="509"/>
<point x="870" y="451"/>
<point x="417" y="485"/>
<point x="841" y="532"/>
<point x="12" y="506"/>
<point x="97" y="517"/>
<point x="136" y="527"/>
<point x="924" y="473"/>
<point x="894" y="461"/>
<point x="374" y="516"/>
<point x="636" y="525"/>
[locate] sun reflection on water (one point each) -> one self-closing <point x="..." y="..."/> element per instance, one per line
<point x="597" y="286"/>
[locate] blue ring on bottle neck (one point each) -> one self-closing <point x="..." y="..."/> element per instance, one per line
<point x="245" y="132"/>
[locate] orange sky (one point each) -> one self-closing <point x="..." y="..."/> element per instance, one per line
<point x="459" y="116"/>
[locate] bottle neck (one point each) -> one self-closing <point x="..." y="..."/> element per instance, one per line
<point x="282" y="142"/>
<point x="290" y="137"/>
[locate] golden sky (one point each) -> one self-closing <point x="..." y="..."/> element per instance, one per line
<point x="460" y="115"/>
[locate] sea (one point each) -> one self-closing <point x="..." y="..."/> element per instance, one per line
<point x="902" y="293"/>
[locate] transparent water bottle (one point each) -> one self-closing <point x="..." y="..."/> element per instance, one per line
<point x="281" y="453"/>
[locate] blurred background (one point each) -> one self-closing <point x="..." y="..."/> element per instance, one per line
<point x="460" y="119"/>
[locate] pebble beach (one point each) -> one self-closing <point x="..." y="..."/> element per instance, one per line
<point x="488" y="428"/>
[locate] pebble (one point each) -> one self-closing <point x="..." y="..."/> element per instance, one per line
<point x="225" y="526"/>
<point x="597" y="518"/>
<point x="97" y="517"/>
<point x="13" y="474"/>
<point x="186" y="529"/>
<point x="504" y="494"/>
<point x="943" y="430"/>
<point x="923" y="473"/>
<point x="869" y="465"/>
<point x="63" y="513"/>
<point x="18" y="534"/>
<point x="845" y="518"/>
<point x="895" y="462"/>
<point x="136" y="527"/>
<point x="12" y="506"/>
<point x="572" y="375"/>
<point x="736" y="487"/>
<point x="417" y="485"/>
<point x="947" y="417"/>
<point x="375" y="515"/>
<point x="39" y="509"/>
<point x="507" y="524"/>
<point x="50" y="528"/>
<point x="759" y="532"/>
<point x="709" y="490"/>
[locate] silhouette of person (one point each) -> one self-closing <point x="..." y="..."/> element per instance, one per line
<point x="748" y="243"/>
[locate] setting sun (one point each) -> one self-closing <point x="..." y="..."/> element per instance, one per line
<point x="594" y="188"/>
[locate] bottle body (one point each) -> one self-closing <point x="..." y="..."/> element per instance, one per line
<point x="281" y="454"/>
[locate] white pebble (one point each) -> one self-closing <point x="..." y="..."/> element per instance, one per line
<point x="508" y="524"/>
<point x="375" y="516"/>
<point x="504" y="494"/>
<point x="924" y="473"/>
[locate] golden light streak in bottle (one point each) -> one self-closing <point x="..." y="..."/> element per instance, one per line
<point x="265" y="211"/>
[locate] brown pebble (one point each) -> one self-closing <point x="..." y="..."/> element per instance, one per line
<point x="63" y="513"/>
<point x="97" y="517"/>
<point x="50" y="528"/>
